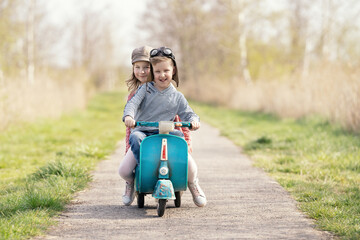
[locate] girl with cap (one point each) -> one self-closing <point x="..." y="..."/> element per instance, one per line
<point x="160" y="101"/>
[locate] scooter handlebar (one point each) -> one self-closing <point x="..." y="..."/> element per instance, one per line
<point x="146" y="124"/>
<point x="156" y="124"/>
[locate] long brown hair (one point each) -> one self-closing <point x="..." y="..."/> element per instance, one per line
<point x="132" y="83"/>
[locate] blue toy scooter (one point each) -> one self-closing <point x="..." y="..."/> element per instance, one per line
<point x="163" y="167"/>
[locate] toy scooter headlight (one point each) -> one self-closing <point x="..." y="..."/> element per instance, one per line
<point x="163" y="170"/>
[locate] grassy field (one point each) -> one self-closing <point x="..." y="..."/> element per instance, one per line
<point x="318" y="163"/>
<point x="43" y="163"/>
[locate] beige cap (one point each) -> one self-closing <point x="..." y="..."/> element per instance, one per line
<point x="141" y="54"/>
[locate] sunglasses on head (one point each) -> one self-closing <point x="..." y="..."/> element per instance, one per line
<point x="163" y="51"/>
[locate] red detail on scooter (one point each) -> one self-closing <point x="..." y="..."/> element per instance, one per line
<point x="164" y="150"/>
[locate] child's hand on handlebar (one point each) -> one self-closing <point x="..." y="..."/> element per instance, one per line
<point x="129" y="122"/>
<point x="195" y="125"/>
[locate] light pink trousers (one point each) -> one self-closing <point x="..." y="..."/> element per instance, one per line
<point x="128" y="165"/>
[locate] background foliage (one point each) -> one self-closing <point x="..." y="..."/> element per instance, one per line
<point x="290" y="58"/>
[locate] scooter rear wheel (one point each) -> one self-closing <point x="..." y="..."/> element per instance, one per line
<point x="141" y="200"/>
<point x="161" y="207"/>
<point x="178" y="199"/>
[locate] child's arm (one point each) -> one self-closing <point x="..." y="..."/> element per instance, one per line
<point x="128" y="130"/>
<point x="133" y="104"/>
<point x="195" y="125"/>
<point x="129" y="122"/>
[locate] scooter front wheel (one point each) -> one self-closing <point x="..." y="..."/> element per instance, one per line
<point x="141" y="200"/>
<point x="178" y="199"/>
<point x="161" y="207"/>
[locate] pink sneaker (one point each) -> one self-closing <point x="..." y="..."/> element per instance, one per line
<point x="129" y="194"/>
<point x="198" y="195"/>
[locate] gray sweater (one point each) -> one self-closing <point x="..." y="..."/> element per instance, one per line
<point x="151" y="105"/>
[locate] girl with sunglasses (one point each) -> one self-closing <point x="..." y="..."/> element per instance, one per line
<point x="160" y="101"/>
<point x="141" y="69"/>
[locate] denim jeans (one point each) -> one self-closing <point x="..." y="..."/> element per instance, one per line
<point x="136" y="138"/>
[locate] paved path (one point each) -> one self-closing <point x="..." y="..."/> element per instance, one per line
<point x="243" y="203"/>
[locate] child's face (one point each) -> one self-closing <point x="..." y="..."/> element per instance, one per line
<point x="163" y="72"/>
<point x="141" y="70"/>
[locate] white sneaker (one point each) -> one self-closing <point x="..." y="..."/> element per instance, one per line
<point x="129" y="194"/>
<point x="198" y="195"/>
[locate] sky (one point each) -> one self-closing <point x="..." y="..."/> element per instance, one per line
<point x="124" y="15"/>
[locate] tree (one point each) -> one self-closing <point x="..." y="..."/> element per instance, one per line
<point x="11" y="30"/>
<point x="30" y="42"/>
<point x="92" y="45"/>
<point x="298" y="23"/>
<point x="183" y="28"/>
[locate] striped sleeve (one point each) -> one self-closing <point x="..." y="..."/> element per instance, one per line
<point x="128" y="130"/>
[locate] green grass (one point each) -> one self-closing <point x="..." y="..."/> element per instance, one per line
<point x="318" y="163"/>
<point x="43" y="163"/>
